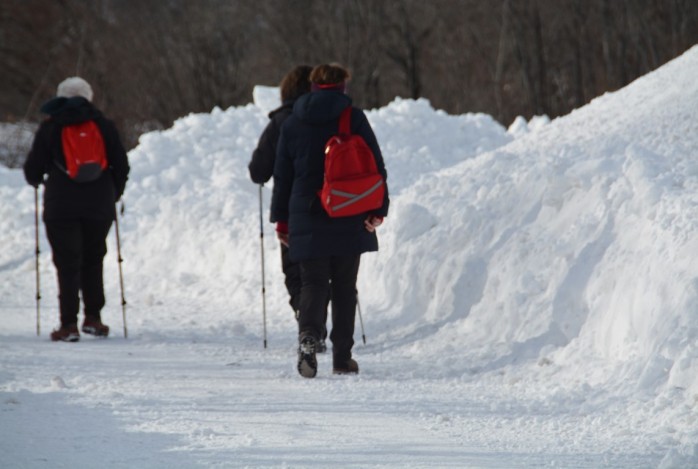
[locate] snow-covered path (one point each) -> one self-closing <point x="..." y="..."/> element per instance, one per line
<point x="206" y="402"/>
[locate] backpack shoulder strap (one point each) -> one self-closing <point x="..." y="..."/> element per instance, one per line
<point x="345" y="121"/>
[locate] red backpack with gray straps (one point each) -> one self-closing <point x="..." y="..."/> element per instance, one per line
<point x="84" y="151"/>
<point x="352" y="183"/>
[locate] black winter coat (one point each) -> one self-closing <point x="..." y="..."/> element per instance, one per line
<point x="298" y="176"/>
<point x="65" y="199"/>
<point x="262" y="164"/>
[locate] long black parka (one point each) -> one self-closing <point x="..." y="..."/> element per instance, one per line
<point x="298" y="176"/>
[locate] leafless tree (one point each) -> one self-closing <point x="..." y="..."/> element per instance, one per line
<point x="152" y="62"/>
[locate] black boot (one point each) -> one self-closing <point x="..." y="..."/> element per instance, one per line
<point x="307" y="363"/>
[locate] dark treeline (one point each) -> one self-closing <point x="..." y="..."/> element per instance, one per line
<point x="151" y="62"/>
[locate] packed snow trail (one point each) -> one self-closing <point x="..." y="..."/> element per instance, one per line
<point x="197" y="401"/>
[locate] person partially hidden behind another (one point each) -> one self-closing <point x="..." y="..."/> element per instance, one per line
<point x="328" y="248"/>
<point x="295" y="84"/>
<point x="83" y="183"/>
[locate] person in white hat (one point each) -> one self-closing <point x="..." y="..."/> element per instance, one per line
<point x="79" y="199"/>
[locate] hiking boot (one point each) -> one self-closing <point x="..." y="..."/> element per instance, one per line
<point x="350" y="367"/>
<point x="321" y="346"/>
<point x="66" y="334"/>
<point x="95" y="327"/>
<point x="307" y="363"/>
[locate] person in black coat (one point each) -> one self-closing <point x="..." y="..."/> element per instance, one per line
<point x="77" y="215"/>
<point x="295" y="84"/>
<point x="328" y="249"/>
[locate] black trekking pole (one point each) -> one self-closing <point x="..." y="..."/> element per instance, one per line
<point x="36" y="232"/>
<point x="361" y="321"/>
<point x="121" y="274"/>
<point x="261" y="241"/>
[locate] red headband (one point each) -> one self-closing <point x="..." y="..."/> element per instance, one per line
<point x="328" y="86"/>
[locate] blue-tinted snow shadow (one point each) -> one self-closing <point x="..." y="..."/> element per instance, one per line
<point x="42" y="430"/>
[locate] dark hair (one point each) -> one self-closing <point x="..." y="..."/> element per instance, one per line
<point x="327" y="74"/>
<point x="296" y="83"/>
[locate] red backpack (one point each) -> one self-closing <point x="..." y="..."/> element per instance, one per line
<point x="352" y="182"/>
<point x="85" y="155"/>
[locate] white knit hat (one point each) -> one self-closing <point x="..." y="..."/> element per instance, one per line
<point x="74" y="86"/>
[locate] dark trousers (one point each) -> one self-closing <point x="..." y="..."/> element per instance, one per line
<point x="78" y="248"/>
<point x="294" y="284"/>
<point x="292" y="279"/>
<point x="334" y="277"/>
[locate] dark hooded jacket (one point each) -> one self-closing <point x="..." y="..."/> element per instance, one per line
<point x="298" y="176"/>
<point x="65" y="199"/>
<point x="262" y="164"/>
